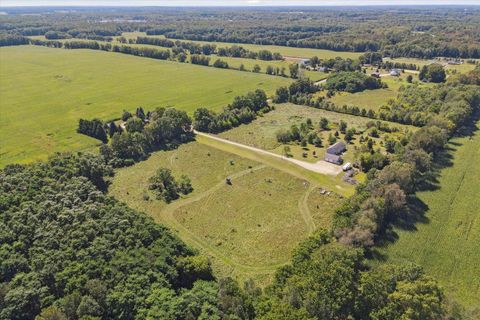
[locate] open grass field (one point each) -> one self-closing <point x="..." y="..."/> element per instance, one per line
<point x="234" y="63"/>
<point x="264" y="213"/>
<point x="374" y="99"/>
<point x="447" y="244"/>
<point x="371" y="99"/>
<point x="45" y="91"/>
<point x="284" y="51"/>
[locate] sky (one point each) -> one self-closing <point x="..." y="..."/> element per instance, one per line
<point x="7" y="3"/>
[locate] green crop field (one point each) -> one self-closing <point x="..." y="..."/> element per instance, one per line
<point x="447" y="244"/>
<point x="45" y="91"/>
<point x="264" y="213"/>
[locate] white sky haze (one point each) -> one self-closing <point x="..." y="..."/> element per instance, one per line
<point x="7" y="3"/>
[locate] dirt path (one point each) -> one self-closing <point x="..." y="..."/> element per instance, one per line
<point x="321" y="166"/>
<point x="305" y="211"/>
<point x="168" y="215"/>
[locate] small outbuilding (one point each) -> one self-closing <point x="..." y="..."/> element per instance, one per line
<point x="337" y="148"/>
<point x="304" y="62"/>
<point x="375" y="74"/>
<point x="333" y="158"/>
<point x="395" y="73"/>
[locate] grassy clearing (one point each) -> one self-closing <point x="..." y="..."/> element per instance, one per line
<point x="284" y="51"/>
<point x="374" y="99"/>
<point x="45" y="91"/>
<point x="256" y="219"/>
<point x="447" y="244"/>
<point x="262" y="214"/>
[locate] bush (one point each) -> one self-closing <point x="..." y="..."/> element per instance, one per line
<point x="166" y="187"/>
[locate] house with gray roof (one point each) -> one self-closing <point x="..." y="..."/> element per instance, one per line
<point x="337" y="148"/>
<point x="333" y="158"/>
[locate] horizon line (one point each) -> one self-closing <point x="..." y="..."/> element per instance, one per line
<point x="240" y="6"/>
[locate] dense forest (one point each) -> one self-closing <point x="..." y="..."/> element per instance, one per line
<point x="421" y="32"/>
<point x="69" y="251"/>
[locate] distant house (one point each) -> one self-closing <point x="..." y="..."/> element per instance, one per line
<point x="337" y="148"/>
<point x="323" y="69"/>
<point x="333" y="158"/>
<point x="375" y="74"/>
<point x="395" y="73"/>
<point x="304" y="62"/>
<point x="454" y="62"/>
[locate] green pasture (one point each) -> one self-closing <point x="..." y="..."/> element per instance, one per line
<point x="45" y="91"/>
<point x="446" y="243"/>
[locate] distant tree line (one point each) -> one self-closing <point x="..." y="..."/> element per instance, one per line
<point x="208" y="49"/>
<point x="397" y="65"/>
<point x="337" y="64"/>
<point x="94" y="45"/>
<point x="200" y="59"/>
<point x="12" y="40"/>
<point x="406" y="32"/>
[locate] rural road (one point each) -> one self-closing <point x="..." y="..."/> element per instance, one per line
<point x="321" y="166"/>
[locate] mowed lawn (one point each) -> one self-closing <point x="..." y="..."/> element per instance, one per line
<point x="447" y="246"/>
<point x="248" y="228"/>
<point x="45" y="91"/>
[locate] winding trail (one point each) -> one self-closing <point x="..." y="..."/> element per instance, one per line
<point x="305" y="211"/>
<point x="168" y="214"/>
<point x="321" y="166"/>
